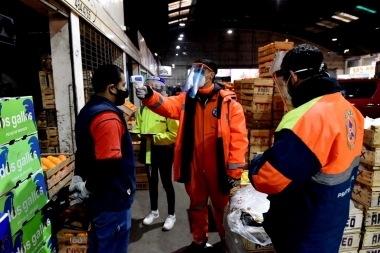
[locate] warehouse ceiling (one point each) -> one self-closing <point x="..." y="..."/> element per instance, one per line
<point x="347" y="27"/>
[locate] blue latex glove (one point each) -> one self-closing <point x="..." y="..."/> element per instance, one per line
<point x="79" y="191"/>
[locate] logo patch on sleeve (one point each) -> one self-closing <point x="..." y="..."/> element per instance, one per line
<point x="350" y="129"/>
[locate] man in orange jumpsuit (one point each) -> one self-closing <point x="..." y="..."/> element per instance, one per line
<point x="210" y="146"/>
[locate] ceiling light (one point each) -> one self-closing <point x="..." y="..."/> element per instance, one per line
<point x="155" y="54"/>
<point x="229" y="31"/>
<point x="346" y="15"/>
<point x="178" y="47"/>
<point x="334" y="39"/>
<point x="179" y="38"/>
<point x="327" y="24"/>
<point x="341" y="18"/>
<point x="181" y="24"/>
<point x="346" y="50"/>
<point x="365" y="9"/>
<point x="181" y="35"/>
<point x="184" y="53"/>
<point x="176" y="54"/>
<point x="377" y="28"/>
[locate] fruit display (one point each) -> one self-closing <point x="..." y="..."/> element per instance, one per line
<point x="130" y="105"/>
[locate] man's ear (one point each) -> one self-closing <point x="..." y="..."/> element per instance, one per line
<point x="294" y="77"/>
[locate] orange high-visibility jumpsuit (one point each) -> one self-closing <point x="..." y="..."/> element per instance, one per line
<point x="207" y="128"/>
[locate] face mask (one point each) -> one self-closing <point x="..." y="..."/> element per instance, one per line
<point x="290" y="87"/>
<point x="158" y="90"/>
<point x="121" y="96"/>
<point x="200" y="78"/>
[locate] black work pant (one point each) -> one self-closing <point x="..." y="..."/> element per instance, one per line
<point x="165" y="169"/>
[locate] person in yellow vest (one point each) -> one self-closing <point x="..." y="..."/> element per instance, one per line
<point x="158" y="135"/>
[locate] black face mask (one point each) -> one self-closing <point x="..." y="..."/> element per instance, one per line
<point x="121" y="96"/>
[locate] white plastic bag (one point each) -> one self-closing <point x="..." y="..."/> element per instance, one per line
<point x="247" y="199"/>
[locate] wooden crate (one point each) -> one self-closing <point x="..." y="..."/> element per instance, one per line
<point x="372" y="217"/>
<point x="275" y="47"/>
<point x="259" y="137"/>
<point x="368" y="175"/>
<point x="371" y="238"/>
<point x="369" y="197"/>
<point x="350" y="240"/>
<point x="72" y="248"/>
<point x="354" y="221"/>
<point x="72" y="236"/>
<point x="48" y="98"/>
<point x="258" y="124"/>
<point x="258" y="115"/>
<point x="60" y="175"/>
<point x="141" y="178"/>
<point x="253" y="247"/>
<point x="370" y="156"/>
<point x="50" y="134"/>
<point x="369" y="250"/>
<point x="372" y="136"/>
<point x="259" y="104"/>
<point x="142" y="186"/>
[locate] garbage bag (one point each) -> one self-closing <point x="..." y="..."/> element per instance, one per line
<point x="249" y="201"/>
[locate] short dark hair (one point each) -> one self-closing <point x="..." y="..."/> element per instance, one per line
<point x="304" y="56"/>
<point x="105" y="75"/>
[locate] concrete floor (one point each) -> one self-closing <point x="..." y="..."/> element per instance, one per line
<point x="151" y="239"/>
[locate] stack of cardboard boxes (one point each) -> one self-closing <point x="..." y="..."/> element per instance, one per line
<point x="23" y="191"/>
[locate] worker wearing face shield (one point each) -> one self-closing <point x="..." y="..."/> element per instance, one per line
<point x="210" y="146"/>
<point x="310" y="171"/>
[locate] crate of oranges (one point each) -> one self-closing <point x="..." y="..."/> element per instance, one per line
<point x="72" y="240"/>
<point x="58" y="170"/>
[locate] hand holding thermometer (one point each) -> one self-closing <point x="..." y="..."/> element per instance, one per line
<point x="138" y="81"/>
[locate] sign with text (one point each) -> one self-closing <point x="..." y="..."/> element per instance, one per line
<point x="368" y="69"/>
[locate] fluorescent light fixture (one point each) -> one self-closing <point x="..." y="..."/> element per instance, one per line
<point x="155" y="54"/>
<point x="181" y="35"/>
<point x="346" y="15"/>
<point x="334" y="39"/>
<point x="181" y="24"/>
<point x="176" y="54"/>
<point x="178" y="47"/>
<point x="341" y="19"/>
<point x="179" y="38"/>
<point x="365" y="9"/>
<point x="229" y="31"/>
<point x="327" y="24"/>
<point x="346" y="50"/>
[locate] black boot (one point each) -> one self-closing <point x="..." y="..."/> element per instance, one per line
<point x="221" y="246"/>
<point x="195" y="248"/>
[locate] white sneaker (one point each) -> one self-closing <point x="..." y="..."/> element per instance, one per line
<point x="151" y="216"/>
<point x="169" y="222"/>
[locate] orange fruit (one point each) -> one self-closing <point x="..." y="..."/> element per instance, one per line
<point x="82" y="234"/>
<point x="68" y="234"/>
<point x="44" y="160"/>
<point x="62" y="157"/>
<point x="75" y="245"/>
<point x="56" y="161"/>
<point x="49" y="165"/>
<point x="44" y="167"/>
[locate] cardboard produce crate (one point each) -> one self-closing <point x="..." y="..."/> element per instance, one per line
<point x="129" y="109"/>
<point x="68" y="236"/>
<point x="354" y="221"/>
<point x="370" y="250"/>
<point x="253" y="247"/>
<point x="60" y="175"/>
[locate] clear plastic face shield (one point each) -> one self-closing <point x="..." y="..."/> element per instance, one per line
<point x="196" y="79"/>
<point x="277" y="74"/>
<point x="156" y="83"/>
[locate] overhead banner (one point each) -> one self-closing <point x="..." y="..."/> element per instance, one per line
<point x="166" y="71"/>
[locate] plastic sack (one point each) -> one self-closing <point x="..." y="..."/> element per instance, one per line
<point x="248" y="200"/>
